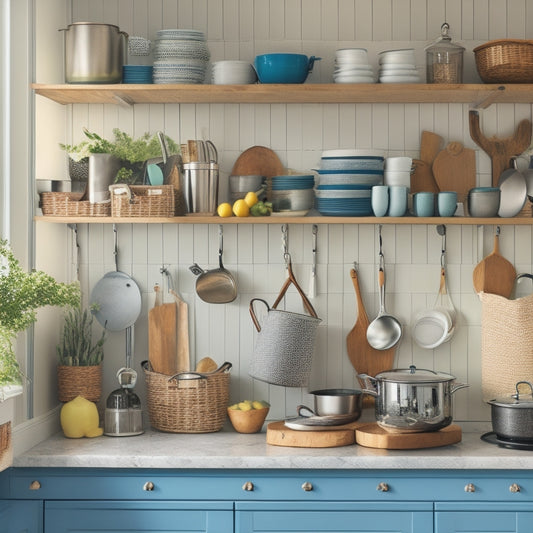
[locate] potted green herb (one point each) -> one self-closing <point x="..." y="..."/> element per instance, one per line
<point x="79" y="370"/>
<point x="21" y="294"/>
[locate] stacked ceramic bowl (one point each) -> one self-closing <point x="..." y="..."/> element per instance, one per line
<point x="233" y="73"/>
<point x="398" y="171"/>
<point x="180" y="56"/>
<point x="398" y="66"/>
<point x="346" y="178"/>
<point x="137" y="74"/>
<point x="291" y="195"/>
<point x="351" y="66"/>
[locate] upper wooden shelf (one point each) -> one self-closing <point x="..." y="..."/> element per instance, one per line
<point x="479" y="95"/>
<point x="465" y="221"/>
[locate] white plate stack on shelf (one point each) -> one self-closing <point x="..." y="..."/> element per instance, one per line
<point x="346" y="178"/>
<point x="351" y="66"/>
<point x="180" y="56"/>
<point x="398" y="66"/>
<point x="233" y="72"/>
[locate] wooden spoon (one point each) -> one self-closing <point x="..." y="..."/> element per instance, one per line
<point x="364" y="358"/>
<point x="494" y="274"/>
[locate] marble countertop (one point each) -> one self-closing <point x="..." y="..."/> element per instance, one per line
<point x="230" y="450"/>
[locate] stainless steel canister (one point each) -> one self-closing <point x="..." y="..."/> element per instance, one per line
<point x="201" y="187"/>
<point x="103" y="170"/>
<point x="94" y="53"/>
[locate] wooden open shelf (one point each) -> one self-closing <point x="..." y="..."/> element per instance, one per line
<point x="479" y="95"/>
<point x="291" y="220"/>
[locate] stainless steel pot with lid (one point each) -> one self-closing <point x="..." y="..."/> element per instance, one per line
<point x="512" y="416"/>
<point x="412" y="400"/>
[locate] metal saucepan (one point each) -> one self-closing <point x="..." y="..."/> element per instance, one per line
<point x="344" y="405"/>
<point x="385" y="331"/>
<point x="216" y="286"/>
<point x="412" y="400"/>
<point x="512" y="416"/>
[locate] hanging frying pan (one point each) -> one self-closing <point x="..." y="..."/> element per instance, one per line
<point x="116" y="299"/>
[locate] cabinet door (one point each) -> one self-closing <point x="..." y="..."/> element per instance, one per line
<point x="324" y="517"/>
<point x="21" y="516"/>
<point x="113" y="517"/>
<point x="483" y="522"/>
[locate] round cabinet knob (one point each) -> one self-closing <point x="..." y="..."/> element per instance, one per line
<point x="514" y="488"/>
<point x="35" y="485"/>
<point x="308" y="487"/>
<point x="248" y="486"/>
<point x="470" y="487"/>
<point x="383" y="487"/>
<point x="148" y="486"/>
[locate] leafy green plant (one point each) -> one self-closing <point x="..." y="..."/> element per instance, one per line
<point x="76" y="347"/>
<point x="93" y="145"/>
<point x="21" y="294"/>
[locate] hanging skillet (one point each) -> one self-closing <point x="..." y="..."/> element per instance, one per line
<point x="116" y="299"/>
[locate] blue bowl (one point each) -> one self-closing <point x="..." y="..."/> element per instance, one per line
<point x="283" y="68"/>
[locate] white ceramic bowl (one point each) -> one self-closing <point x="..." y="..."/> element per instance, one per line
<point x="397" y="177"/>
<point x="351" y="163"/>
<point x="432" y="327"/>
<point x="362" y="152"/>
<point x="400" y="163"/>
<point x="406" y="55"/>
<point x="356" y="55"/>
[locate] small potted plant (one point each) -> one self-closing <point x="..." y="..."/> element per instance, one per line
<point x="79" y="370"/>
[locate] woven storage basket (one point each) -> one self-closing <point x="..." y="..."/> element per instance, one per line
<point x="187" y="405"/>
<point x="68" y="204"/>
<point x="142" y="200"/>
<point x="506" y="344"/>
<point x="6" y="448"/>
<point x="505" y="61"/>
<point x="85" y="381"/>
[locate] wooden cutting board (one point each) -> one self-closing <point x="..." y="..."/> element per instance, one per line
<point x="494" y="274"/>
<point x="364" y="358"/>
<point x="258" y="161"/>
<point x="162" y="338"/>
<point x="454" y="169"/>
<point x="182" y="338"/>
<point x="499" y="150"/>
<point x="422" y="179"/>
<point x="374" y="436"/>
<point x="277" y="434"/>
<point x="430" y="146"/>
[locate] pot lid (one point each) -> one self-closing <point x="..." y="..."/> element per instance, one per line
<point x="413" y="374"/>
<point x="518" y="400"/>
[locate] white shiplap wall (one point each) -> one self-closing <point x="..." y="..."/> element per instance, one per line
<point x="240" y="29"/>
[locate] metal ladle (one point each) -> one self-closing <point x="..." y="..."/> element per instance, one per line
<point x="385" y="331"/>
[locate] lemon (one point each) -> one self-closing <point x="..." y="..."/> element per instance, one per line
<point x="241" y="209"/>
<point x="251" y="199"/>
<point x="224" y="210"/>
<point x="245" y="406"/>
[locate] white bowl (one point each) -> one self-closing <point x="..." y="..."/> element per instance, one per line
<point x="400" y="163"/>
<point x="396" y="177"/>
<point x="352" y="54"/>
<point x="399" y="79"/>
<point x="406" y="55"/>
<point x="362" y="152"/>
<point x="432" y="327"/>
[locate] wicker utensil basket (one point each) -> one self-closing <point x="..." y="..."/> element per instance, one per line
<point x="73" y="381"/>
<point x="195" y="405"/>
<point x="69" y="204"/>
<point x="505" y="61"/>
<point x="142" y="200"/>
<point x="6" y="449"/>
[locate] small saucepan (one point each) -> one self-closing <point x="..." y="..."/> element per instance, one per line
<point x="512" y="416"/>
<point x="344" y="404"/>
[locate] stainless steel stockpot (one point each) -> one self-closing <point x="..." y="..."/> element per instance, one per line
<point x="412" y="400"/>
<point x="512" y="416"/>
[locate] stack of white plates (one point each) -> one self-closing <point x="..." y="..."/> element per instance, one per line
<point x="180" y="56"/>
<point x="351" y="66"/>
<point x="398" y="66"/>
<point x="233" y="73"/>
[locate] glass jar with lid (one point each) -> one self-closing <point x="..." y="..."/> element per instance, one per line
<point x="444" y="59"/>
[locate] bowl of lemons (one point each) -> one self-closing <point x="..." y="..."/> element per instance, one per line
<point x="248" y="416"/>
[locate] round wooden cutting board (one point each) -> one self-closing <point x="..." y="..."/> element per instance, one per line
<point x="280" y="435"/>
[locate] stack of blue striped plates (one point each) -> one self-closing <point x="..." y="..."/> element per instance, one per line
<point x="137" y="74"/>
<point x="346" y="178"/>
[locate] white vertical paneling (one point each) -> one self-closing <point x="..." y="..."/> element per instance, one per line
<point x="381" y="20"/>
<point x="497" y="19"/>
<point x="401" y="20"/>
<point x="311" y="26"/>
<point x="215" y="20"/>
<point x="363" y="20"/>
<point x="346" y="20"/>
<point x="277" y="20"/>
<point x="467" y="20"/>
<point x="481" y="20"/>
<point x="419" y="20"/>
<point x="436" y="16"/>
<point x="330" y="20"/>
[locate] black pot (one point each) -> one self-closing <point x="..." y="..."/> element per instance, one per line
<point x="512" y="416"/>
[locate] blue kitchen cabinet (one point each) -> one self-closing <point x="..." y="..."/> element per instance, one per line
<point x="19" y="516"/>
<point x="128" y="516"/>
<point x="326" y="517"/>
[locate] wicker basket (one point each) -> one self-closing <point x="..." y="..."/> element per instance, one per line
<point x="68" y="204"/>
<point x="505" y="61"/>
<point x="6" y="448"/>
<point x="85" y="381"/>
<point x="187" y="405"/>
<point x="142" y="200"/>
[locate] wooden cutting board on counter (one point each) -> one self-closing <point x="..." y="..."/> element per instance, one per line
<point x="374" y="436"/>
<point x="278" y="434"/>
<point x="364" y="358"/>
<point x="454" y="169"/>
<point x="258" y="161"/>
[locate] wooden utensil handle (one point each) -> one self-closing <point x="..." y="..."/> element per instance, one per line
<point x="292" y="280"/>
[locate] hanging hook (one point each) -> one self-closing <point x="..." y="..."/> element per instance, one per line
<point x="497" y="231"/>
<point x="115" y="245"/>
<point x="170" y="281"/>
<point x="441" y="230"/>
<point x="285" y="238"/>
<point x="381" y="256"/>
